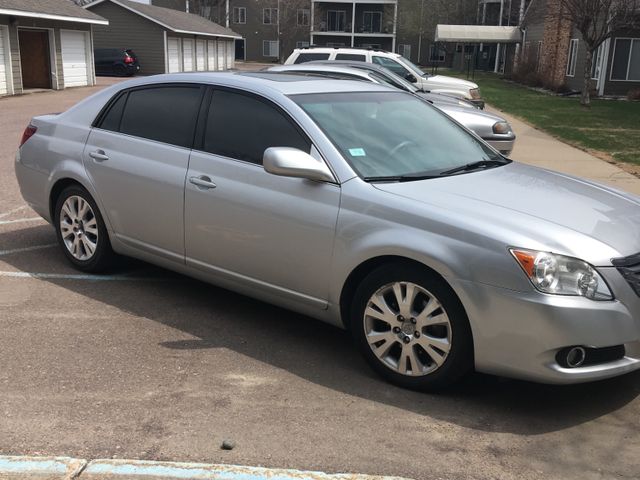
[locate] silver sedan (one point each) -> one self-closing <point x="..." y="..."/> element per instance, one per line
<point x="354" y="203"/>
<point x="493" y="129"/>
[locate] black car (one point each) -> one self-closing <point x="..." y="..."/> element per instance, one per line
<point x="116" y="61"/>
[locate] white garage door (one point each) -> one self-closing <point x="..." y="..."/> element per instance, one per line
<point x="3" y="61"/>
<point x="201" y="56"/>
<point x="211" y="55"/>
<point x="75" y="64"/>
<point x="231" y="53"/>
<point x="173" y="54"/>
<point x="221" y="54"/>
<point x="187" y="55"/>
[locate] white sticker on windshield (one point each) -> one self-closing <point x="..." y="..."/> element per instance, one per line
<point x="357" y="152"/>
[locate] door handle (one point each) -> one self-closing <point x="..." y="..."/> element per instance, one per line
<point x="99" y="155"/>
<point x="203" y="182"/>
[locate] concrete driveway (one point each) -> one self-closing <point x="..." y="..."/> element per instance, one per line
<point x="151" y="365"/>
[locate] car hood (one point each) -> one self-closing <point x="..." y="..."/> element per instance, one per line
<point x="564" y="214"/>
<point x="456" y="83"/>
<point x="480" y="121"/>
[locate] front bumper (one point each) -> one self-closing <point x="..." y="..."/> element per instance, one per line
<point x="518" y="334"/>
<point x="505" y="147"/>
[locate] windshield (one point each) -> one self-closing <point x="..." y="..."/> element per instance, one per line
<point x="413" y="67"/>
<point x="389" y="134"/>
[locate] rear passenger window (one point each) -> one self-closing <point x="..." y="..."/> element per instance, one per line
<point x="164" y="114"/>
<point x="351" y="56"/>
<point x="310" y="57"/>
<point x="111" y="120"/>
<point x="243" y="127"/>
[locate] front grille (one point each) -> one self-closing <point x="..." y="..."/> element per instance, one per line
<point x="629" y="267"/>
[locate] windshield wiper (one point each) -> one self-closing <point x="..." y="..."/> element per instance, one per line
<point x="476" y="166"/>
<point x="401" y="178"/>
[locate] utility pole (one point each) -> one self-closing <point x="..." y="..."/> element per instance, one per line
<point x="497" y="65"/>
<point x="226" y="14"/>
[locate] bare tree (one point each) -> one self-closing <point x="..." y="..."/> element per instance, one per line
<point x="598" y="20"/>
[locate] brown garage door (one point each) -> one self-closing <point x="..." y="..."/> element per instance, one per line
<point x="35" y="58"/>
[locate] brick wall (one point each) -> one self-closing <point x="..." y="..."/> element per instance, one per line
<point x="555" y="41"/>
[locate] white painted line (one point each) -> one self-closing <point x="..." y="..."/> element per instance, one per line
<point x="29" y="467"/>
<point x="67" y="276"/>
<point x="27" y="249"/>
<point x="21" y="220"/>
<point x="10" y="212"/>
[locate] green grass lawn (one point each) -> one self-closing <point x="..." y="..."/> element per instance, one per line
<point x="610" y="126"/>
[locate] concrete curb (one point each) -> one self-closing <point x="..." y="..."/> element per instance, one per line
<point x="66" y="468"/>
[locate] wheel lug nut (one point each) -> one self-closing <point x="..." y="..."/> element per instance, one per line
<point x="401" y="318"/>
<point x="416" y="334"/>
<point x="406" y="339"/>
<point x="413" y="320"/>
<point x="396" y="329"/>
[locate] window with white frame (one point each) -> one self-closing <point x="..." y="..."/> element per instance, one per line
<point x="301" y="44"/>
<point x="437" y="54"/>
<point x="304" y="14"/>
<point x="404" y="49"/>
<point x="336" y="21"/>
<point x="270" y="48"/>
<point x="372" y="22"/>
<point x="239" y="15"/>
<point x="572" y="57"/>
<point x="626" y="60"/>
<point x="270" y="16"/>
<point x="596" y="62"/>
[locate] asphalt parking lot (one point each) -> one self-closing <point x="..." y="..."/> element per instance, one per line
<point x="151" y="365"/>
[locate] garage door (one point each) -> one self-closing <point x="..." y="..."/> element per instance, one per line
<point x="173" y="54"/>
<point x="75" y="58"/>
<point x="201" y="56"/>
<point x="211" y="55"/>
<point x="187" y="55"/>
<point x="3" y="61"/>
<point x="221" y="54"/>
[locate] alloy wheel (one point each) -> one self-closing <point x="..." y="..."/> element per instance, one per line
<point x="79" y="228"/>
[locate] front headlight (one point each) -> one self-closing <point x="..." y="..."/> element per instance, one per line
<point x="561" y="275"/>
<point x="501" y="127"/>
<point x="475" y="93"/>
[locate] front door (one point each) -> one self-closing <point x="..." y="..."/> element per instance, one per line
<point x="137" y="159"/>
<point x="274" y="234"/>
<point x="35" y="58"/>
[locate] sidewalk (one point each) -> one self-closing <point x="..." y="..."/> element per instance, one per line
<point x="542" y="150"/>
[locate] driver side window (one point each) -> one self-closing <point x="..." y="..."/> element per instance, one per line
<point x="392" y="65"/>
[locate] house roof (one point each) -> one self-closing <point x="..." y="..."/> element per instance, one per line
<point x="51" y="10"/>
<point x="174" y="20"/>
<point x="477" y="34"/>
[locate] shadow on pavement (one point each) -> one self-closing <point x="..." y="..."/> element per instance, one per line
<point x="323" y="354"/>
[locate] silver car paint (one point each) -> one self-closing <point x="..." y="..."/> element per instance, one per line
<point x="460" y="226"/>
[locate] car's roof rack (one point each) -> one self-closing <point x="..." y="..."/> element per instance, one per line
<point x="371" y="49"/>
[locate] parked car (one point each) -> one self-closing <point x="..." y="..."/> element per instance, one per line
<point x="397" y="64"/>
<point x="493" y="129"/>
<point x="116" y="61"/>
<point x="353" y="203"/>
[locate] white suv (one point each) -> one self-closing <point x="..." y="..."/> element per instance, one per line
<point x="397" y="64"/>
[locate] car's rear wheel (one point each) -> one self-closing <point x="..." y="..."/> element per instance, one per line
<point x="411" y="327"/>
<point x="81" y="230"/>
<point x="120" y="70"/>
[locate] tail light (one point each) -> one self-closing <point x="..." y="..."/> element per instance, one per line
<point x="128" y="59"/>
<point x="28" y="133"/>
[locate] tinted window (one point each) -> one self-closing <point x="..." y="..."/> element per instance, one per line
<point x="164" y="114"/>
<point x="392" y="65"/>
<point x="351" y="56"/>
<point x="310" y="57"/>
<point x="111" y="121"/>
<point x="621" y="59"/>
<point x="243" y="127"/>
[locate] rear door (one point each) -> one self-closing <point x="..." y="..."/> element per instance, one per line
<point x="137" y="158"/>
<point x="273" y="234"/>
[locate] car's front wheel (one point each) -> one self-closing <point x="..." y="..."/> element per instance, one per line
<point x="81" y="230"/>
<point x="411" y="327"/>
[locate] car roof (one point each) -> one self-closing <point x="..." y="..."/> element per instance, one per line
<point x="344" y="50"/>
<point x="372" y="67"/>
<point x="274" y="82"/>
<point x="316" y="67"/>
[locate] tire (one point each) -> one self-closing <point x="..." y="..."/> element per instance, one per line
<point x="120" y="70"/>
<point x="428" y="351"/>
<point x="85" y="241"/>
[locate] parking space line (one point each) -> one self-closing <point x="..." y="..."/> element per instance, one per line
<point x="10" y="212"/>
<point x="21" y="220"/>
<point x="72" y="276"/>
<point x="26" y="249"/>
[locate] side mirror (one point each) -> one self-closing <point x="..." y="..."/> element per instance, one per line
<point x="291" y="162"/>
<point x="411" y="77"/>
